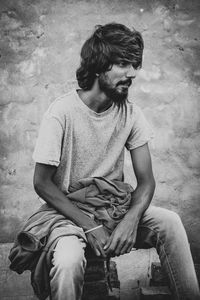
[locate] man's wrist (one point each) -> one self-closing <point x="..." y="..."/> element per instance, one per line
<point x="132" y="216"/>
<point x="89" y="224"/>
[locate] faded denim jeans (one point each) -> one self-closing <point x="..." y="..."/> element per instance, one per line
<point x="159" y="228"/>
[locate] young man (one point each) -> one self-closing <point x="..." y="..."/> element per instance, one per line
<point x="84" y="134"/>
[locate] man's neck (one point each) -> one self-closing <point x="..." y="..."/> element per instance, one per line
<point x="95" y="100"/>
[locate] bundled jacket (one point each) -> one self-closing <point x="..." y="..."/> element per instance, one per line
<point x="104" y="200"/>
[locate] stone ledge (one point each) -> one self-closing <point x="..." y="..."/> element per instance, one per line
<point x="133" y="273"/>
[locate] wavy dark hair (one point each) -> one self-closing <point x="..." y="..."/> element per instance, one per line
<point x="110" y="44"/>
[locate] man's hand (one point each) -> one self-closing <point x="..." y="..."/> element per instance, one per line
<point x="47" y="190"/>
<point x="122" y="239"/>
<point x="97" y="240"/>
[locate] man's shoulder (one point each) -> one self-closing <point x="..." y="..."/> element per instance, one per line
<point x="63" y="104"/>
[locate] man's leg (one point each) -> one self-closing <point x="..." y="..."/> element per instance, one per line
<point x="67" y="273"/>
<point x="163" y="229"/>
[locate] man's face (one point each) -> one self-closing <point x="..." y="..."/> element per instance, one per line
<point x="116" y="82"/>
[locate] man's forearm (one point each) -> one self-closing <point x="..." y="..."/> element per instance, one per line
<point x="49" y="192"/>
<point x="141" y="199"/>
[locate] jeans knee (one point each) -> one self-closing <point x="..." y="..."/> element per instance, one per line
<point x="69" y="258"/>
<point x="70" y="263"/>
<point x="172" y="222"/>
<point x="172" y="217"/>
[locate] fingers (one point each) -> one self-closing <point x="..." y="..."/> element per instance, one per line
<point x="96" y="246"/>
<point x="128" y="245"/>
<point x="126" y="249"/>
<point x="120" y="249"/>
<point x="97" y="252"/>
<point x="107" y="245"/>
<point x="111" y="247"/>
<point x="118" y="246"/>
<point x="100" y="250"/>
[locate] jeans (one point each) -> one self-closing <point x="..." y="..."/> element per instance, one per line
<point x="159" y="228"/>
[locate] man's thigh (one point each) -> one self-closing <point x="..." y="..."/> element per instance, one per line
<point x="156" y="221"/>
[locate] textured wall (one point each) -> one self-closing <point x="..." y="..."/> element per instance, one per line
<point x="39" y="53"/>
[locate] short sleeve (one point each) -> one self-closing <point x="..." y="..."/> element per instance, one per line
<point x="141" y="132"/>
<point x="49" y="141"/>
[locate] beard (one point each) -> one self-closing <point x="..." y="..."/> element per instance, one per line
<point x="117" y="96"/>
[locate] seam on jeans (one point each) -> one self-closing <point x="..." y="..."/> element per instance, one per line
<point x="171" y="270"/>
<point x="162" y="244"/>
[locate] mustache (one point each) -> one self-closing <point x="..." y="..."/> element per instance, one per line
<point x="127" y="82"/>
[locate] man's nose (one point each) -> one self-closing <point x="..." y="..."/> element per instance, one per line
<point x="130" y="72"/>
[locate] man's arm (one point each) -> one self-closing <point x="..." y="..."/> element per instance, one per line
<point x="142" y="196"/>
<point x="123" y="237"/>
<point x="47" y="190"/>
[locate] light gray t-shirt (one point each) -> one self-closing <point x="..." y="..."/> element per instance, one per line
<point x="82" y="143"/>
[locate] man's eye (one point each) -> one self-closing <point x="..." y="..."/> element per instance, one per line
<point x="123" y="64"/>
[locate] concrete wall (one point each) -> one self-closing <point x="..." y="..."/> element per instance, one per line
<point x="39" y="53"/>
